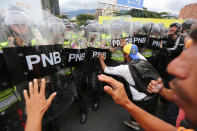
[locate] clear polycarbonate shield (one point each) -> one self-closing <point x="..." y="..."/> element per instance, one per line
<point x="162" y="30"/>
<point x="19" y="26"/>
<point x="156" y="30"/>
<point x="57" y="30"/>
<point x="105" y="35"/>
<point x="116" y="29"/>
<point x="136" y="28"/>
<point x="35" y="51"/>
<point x="44" y="29"/>
<point x="3" y="33"/>
<point x="146" y="29"/>
<point x="127" y="29"/>
<point x="94" y="39"/>
<point x="93" y="35"/>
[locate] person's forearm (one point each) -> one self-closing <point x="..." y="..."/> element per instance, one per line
<point x="33" y="124"/>
<point x="146" y="120"/>
<point x="167" y="94"/>
<point x="103" y="65"/>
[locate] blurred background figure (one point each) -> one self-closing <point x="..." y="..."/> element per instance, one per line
<point x="57" y="30"/>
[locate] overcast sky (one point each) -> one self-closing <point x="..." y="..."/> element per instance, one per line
<point x="172" y="6"/>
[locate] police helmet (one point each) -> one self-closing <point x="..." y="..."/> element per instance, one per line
<point x="177" y="25"/>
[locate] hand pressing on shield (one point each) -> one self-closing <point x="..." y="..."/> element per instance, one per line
<point x="101" y="57"/>
<point x="36" y="105"/>
<point x="102" y="61"/>
<point x="116" y="90"/>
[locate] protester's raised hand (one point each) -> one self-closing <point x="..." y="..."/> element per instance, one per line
<point x="116" y="90"/>
<point x="101" y="57"/>
<point x="155" y="86"/>
<point x="36" y="102"/>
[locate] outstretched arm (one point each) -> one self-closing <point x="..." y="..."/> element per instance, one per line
<point x="102" y="61"/>
<point x="146" y="120"/>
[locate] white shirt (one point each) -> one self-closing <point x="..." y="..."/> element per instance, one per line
<point x="141" y="56"/>
<point x="123" y="71"/>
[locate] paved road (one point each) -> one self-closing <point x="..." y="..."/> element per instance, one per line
<point x="109" y="117"/>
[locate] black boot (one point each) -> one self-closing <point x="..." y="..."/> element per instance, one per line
<point x="83" y="113"/>
<point x="82" y="108"/>
<point x="95" y="105"/>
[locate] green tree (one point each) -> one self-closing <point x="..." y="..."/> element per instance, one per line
<point x="145" y="13"/>
<point x="81" y="18"/>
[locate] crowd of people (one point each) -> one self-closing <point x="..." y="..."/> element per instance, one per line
<point x="144" y="77"/>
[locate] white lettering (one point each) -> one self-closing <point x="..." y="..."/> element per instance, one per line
<point x="30" y="62"/>
<point x="54" y="58"/>
<point x="57" y="58"/>
<point x="76" y="57"/>
<point x="97" y="54"/>
<point x="71" y="57"/>
<point x="45" y="58"/>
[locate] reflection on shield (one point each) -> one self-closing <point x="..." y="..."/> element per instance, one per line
<point x="26" y="63"/>
<point x="5" y="81"/>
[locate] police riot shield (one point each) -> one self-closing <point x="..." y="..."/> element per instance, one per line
<point x="30" y="54"/>
<point x="115" y="32"/>
<point x="105" y="35"/>
<point x="136" y="28"/>
<point x="116" y="29"/>
<point x="93" y="35"/>
<point x="127" y="29"/>
<point x="121" y="28"/>
<point x="3" y="33"/>
<point x="57" y="30"/>
<point x="5" y="81"/>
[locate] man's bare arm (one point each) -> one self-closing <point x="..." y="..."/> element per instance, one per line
<point x="102" y="61"/>
<point x="164" y="92"/>
<point x="146" y="120"/>
<point x="167" y="94"/>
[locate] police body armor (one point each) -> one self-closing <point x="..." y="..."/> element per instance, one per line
<point x="143" y="72"/>
<point x="118" y="56"/>
<point x="8" y="96"/>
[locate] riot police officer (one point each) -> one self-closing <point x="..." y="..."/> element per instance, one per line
<point x="175" y="42"/>
<point x="170" y="51"/>
<point x="146" y="51"/>
<point x="74" y="75"/>
<point x="186" y="29"/>
<point x="93" y="38"/>
<point x="18" y="26"/>
<point x="116" y="33"/>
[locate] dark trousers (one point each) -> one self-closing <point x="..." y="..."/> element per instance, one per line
<point x="149" y="105"/>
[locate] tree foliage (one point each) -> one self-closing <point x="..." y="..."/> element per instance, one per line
<point x="145" y="13"/>
<point x="81" y="18"/>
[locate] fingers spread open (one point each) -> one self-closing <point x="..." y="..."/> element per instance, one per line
<point x="35" y="86"/>
<point x="43" y="87"/>
<point x="109" y="90"/>
<point x="31" y="92"/>
<point x="25" y="95"/>
<point x="114" y="83"/>
<point x="52" y="96"/>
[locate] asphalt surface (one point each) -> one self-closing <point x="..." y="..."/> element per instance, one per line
<point x="109" y="116"/>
